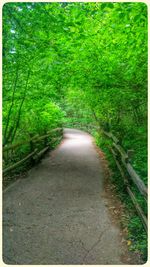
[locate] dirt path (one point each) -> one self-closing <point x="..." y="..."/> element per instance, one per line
<point x="57" y="215"/>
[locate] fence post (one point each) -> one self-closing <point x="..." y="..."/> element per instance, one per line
<point x="45" y="139"/>
<point x="32" y="149"/>
<point x="130" y="154"/>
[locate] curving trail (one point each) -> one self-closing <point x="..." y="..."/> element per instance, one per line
<point x="57" y="215"/>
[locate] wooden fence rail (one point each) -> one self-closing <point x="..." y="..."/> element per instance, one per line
<point x="122" y="161"/>
<point x="19" y="162"/>
<point x="134" y="176"/>
<point x="34" y="154"/>
<point x="34" y="139"/>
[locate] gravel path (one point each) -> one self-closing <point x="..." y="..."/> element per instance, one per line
<point x="57" y="215"/>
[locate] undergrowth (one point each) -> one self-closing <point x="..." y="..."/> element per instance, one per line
<point x="136" y="235"/>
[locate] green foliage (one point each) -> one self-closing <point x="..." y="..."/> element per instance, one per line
<point x="138" y="237"/>
<point x="44" y="118"/>
<point x="80" y="65"/>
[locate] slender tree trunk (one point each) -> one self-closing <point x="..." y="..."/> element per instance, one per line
<point x="6" y="137"/>
<point x="20" y="108"/>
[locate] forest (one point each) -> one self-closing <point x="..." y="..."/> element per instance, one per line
<point x="84" y="66"/>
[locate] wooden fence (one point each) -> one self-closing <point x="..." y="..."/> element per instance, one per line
<point x="34" y="154"/>
<point x="122" y="159"/>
